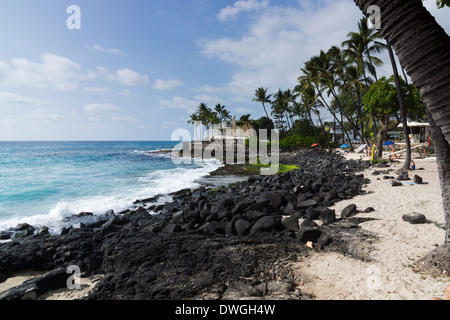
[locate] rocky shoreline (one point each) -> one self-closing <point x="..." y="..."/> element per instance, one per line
<point x="211" y="243"/>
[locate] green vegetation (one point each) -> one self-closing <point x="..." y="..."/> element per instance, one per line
<point x="256" y="168"/>
<point x="343" y="82"/>
<point x="297" y="141"/>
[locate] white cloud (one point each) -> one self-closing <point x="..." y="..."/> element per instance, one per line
<point x="242" y="110"/>
<point x="276" y="45"/>
<point x="105" y="50"/>
<point x="130" y="78"/>
<point x="179" y="103"/>
<point x="240" y="6"/>
<point x="122" y="118"/>
<point x="52" y="71"/>
<point x="8" y="97"/>
<point x="169" y="124"/>
<point x="124" y="92"/>
<point x="45" y="115"/>
<point x="102" y="90"/>
<point x="167" y="84"/>
<point x="209" y="100"/>
<point x="8" y="122"/>
<point x="101" y="108"/>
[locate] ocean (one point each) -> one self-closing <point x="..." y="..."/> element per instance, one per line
<point x="43" y="183"/>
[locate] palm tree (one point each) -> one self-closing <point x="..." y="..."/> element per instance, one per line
<point x="402" y="107"/>
<point x="289" y="98"/>
<point x="422" y="47"/>
<point x="245" y="121"/>
<point x="280" y="106"/>
<point x="361" y="46"/>
<point x="311" y="77"/>
<point x="262" y="97"/>
<point x="327" y="67"/>
<point x="353" y="86"/>
<point x="333" y="78"/>
<point x="309" y="104"/>
<point x="221" y="112"/>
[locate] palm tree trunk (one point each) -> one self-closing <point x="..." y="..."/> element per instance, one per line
<point x="341" y="108"/>
<point x="265" y="110"/>
<point x="325" y="132"/>
<point x="423" y="48"/>
<point x="443" y="159"/>
<point x="315" y="129"/>
<point x="402" y="107"/>
<point x="335" y="117"/>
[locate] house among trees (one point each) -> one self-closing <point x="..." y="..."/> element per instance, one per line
<point x="232" y="130"/>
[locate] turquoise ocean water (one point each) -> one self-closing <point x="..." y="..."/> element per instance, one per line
<point x="42" y="183"/>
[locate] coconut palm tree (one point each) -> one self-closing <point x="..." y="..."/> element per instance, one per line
<point x="353" y="86"/>
<point x="402" y="107"/>
<point x="423" y="47"/>
<point x="360" y="48"/>
<point x="245" y="120"/>
<point x="262" y="97"/>
<point x="309" y="104"/>
<point x="280" y="106"/>
<point x="312" y="77"/>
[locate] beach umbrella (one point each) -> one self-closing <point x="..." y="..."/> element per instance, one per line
<point x="314" y="145"/>
<point x="388" y="143"/>
<point x="345" y="146"/>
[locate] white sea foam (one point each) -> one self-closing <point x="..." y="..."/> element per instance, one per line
<point x="161" y="182"/>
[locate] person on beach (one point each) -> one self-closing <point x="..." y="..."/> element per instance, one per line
<point x="412" y="165"/>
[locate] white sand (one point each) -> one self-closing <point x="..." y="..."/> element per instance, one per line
<point x="391" y="275"/>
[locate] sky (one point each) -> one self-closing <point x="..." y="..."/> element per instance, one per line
<point x="136" y="69"/>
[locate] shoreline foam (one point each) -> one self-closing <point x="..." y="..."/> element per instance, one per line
<point x="390" y="273"/>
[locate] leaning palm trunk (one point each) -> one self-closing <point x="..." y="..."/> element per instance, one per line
<point x="324" y="131"/>
<point x="335" y="117"/>
<point x="423" y="49"/>
<point x="315" y="129"/>
<point x="402" y="108"/>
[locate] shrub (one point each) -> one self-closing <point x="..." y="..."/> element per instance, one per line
<point x="296" y="141"/>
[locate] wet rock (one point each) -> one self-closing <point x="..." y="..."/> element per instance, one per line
<point x="84" y="214"/>
<point x="5" y="235"/>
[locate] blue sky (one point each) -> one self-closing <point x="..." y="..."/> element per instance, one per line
<point x="136" y="69"/>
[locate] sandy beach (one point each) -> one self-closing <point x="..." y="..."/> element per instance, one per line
<point x="390" y="270"/>
<point x="391" y="274"/>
